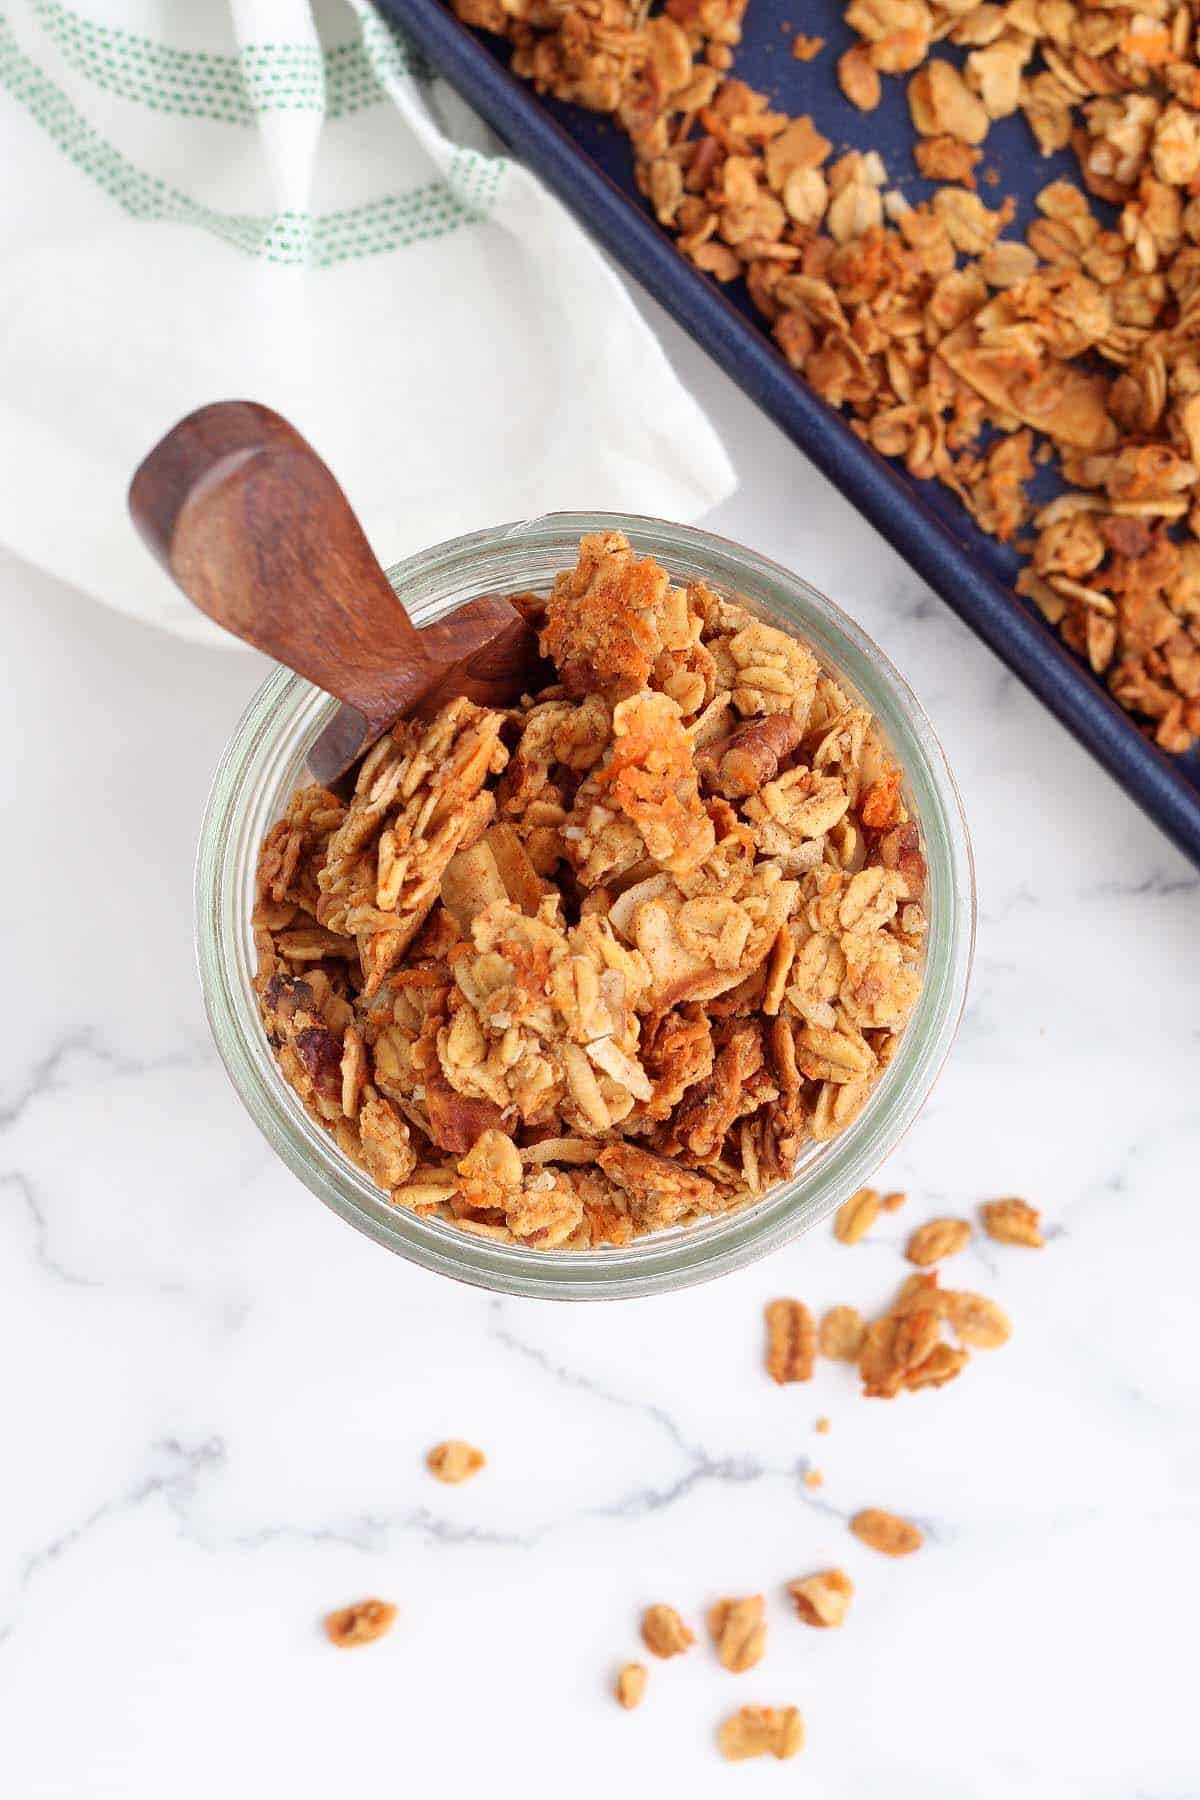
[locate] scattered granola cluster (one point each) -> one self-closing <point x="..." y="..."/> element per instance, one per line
<point x="601" y="964"/>
<point x="630" y="1687"/>
<point x="361" y="1623"/>
<point x="739" y="1632"/>
<point x="925" y="323"/>
<point x="738" y="1629"/>
<point x="903" y="1349"/>
<point x="454" y="1461"/>
<point x="762" y="1731"/>
<point x="886" y="1532"/>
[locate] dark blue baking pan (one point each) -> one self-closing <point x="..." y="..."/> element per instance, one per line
<point x="587" y="162"/>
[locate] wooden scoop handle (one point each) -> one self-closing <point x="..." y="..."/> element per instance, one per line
<point x="248" y="521"/>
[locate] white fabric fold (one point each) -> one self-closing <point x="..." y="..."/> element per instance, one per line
<point x="268" y="200"/>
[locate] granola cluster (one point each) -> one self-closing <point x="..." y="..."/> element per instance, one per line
<point x="738" y="1630"/>
<point x="906" y="1348"/>
<point x="603" y="963"/>
<point x="362" y="1623"/>
<point x="902" y="1349"/>
<point x="967" y="354"/>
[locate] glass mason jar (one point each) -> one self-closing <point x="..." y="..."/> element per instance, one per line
<point x="264" y="762"/>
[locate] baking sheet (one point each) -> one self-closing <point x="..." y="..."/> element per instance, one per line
<point x="587" y="161"/>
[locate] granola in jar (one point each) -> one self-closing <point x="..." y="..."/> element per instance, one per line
<point x="607" y="961"/>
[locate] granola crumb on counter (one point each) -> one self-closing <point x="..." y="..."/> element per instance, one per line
<point x="630" y="1686"/>
<point x="885" y="1532"/>
<point x="761" y="1731"/>
<point x="813" y="1478"/>
<point x="361" y="1623"/>
<point x="822" y="1424"/>
<point x="855" y="1216"/>
<point x="822" y="1599"/>
<point x="961" y="351"/>
<point x="1013" y="1222"/>
<point x="791" y="1341"/>
<point x="739" y="1632"/>
<point x="455" y="1461"/>
<point x="602" y="963"/>
<point x="893" y="1202"/>
<point x="664" y="1632"/>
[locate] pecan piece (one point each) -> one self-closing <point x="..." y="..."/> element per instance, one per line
<point x="319" y="1053"/>
<point x="791" y="1341"/>
<point x="286" y="995"/>
<point x="710" y="1106"/>
<point x="900" y="849"/>
<point x="1013" y="1222"/>
<point x="455" y="1120"/>
<point x="750" y="756"/>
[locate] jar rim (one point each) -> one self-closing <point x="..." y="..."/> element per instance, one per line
<point x="263" y="761"/>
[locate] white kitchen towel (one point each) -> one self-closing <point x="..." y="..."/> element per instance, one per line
<point x="275" y="200"/>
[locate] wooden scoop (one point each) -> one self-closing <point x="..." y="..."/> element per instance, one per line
<point x="247" y="520"/>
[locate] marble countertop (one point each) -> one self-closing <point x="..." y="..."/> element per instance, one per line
<point x="218" y="1397"/>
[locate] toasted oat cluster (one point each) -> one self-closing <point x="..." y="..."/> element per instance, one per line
<point x="739" y="1632"/>
<point x="929" y="325"/>
<point x="603" y="963"/>
<point x="886" y="1532"/>
<point x="904" y="1349"/>
<point x="761" y="1731"/>
<point x="361" y="1623"/>
<point x="454" y="1461"/>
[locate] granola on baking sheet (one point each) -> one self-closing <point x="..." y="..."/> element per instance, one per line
<point x="965" y="352"/>
<point x="606" y="962"/>
<point x="664" y="1632"/>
